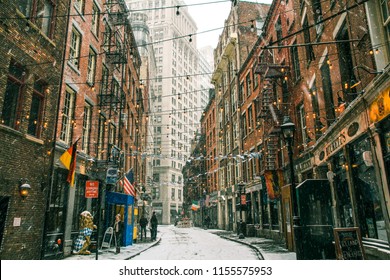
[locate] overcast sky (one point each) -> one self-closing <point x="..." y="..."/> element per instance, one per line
<point x="211" y="16"/>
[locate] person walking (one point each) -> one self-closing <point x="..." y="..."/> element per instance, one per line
<point x="143" y="222"/>
<point x="154" y="223"/>
<point x="118" y="228"/>
<point x="207" y="222"/>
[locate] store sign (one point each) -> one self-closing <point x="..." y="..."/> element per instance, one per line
<point x="305" y="165"/>
<point x="348" y="243"/>
<point x="335" y="145"/>
<point x="243" y="199"/>
<point x="380" y="108"/>
<point x="92" y="189"/>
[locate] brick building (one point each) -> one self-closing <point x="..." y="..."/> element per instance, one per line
<point x="208" y="125"/>
<point x="235" y="44"/>
<point x="32" y="50"/>
<point x="327" y="71"/>
<point x="98" y="109"/>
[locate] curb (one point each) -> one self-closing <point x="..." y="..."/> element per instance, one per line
<point x="138" y="253"/>
<point x="257" y="250"/>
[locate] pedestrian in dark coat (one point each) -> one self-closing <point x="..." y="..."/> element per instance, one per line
<point x="143" y="222"/>
<point x="118" y="229"/>
<point x="153" y="224"/>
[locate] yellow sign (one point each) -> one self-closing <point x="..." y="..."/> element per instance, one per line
<point x="380" y="108"/>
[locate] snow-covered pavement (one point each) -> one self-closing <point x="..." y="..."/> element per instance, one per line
<point x="193" y="243"/>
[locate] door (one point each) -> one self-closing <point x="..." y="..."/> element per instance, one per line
<point x="4" y="200"/>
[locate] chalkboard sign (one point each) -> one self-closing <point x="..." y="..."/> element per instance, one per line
<point x="349" y="244"/>
<point x="107" y="238"/>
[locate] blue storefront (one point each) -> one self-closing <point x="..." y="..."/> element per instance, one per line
<point x="123" y="204"/>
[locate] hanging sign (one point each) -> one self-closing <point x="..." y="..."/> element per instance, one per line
<point x="243" y="199"/>
<point x="92" y="189"/>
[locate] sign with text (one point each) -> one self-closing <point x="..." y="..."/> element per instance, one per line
<point x="243" y="199"/>
<point x="348" y="244"/>
<point x="91" y="189"/>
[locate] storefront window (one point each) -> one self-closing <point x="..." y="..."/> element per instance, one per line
<point x="248" y="207"/>
<point x="56" y="215"/>
<point x="80" y="204"/>
<point x="256" y="208"/>
<point x="342" y="191"/>
<point x="370" y="212"/>
<point x="274" y="214"/>
<point x="264" y="208"/>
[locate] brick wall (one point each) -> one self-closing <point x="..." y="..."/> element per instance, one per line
<point x="21" y="155"/>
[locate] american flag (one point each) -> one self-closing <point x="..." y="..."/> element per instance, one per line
<point x="128" y="183"/>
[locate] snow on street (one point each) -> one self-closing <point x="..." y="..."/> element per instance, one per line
<point x="194" y="244"/>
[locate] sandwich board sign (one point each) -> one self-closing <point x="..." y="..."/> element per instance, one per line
<point x="349" y="244"/>
<point x="107" y="238"/>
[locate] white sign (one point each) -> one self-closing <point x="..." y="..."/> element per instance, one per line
<point x="17" y="222"/>
<point x="107" y="238"/>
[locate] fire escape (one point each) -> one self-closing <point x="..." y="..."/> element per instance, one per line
<point x="112" y="94"/>
<point x="271" y="111"/>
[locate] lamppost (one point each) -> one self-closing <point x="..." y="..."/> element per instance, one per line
<point x="288" y="129"/>
<point x="242" y="201"/>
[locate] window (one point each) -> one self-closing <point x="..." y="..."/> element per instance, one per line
<point x="91" y="67"/>
<point x="279" y="35"/>
<point x="36" y="110"/>
<point x="25" y="6"/>
<point x="316" y="109"/>
<point x="104" y="82"/>
<point x="10" y="115"/>
<point x="328" y="93"/>
<point x="111" y="134"/>
<point x="244" y="125"/>
<point x="102" y="126"/>
<point x="309" y="47"/>
<point x="295" y="63"/>
<point x="107" y="37"/>
<point x="75" y="43"/>
<point x="317" y="12"/>
<point x="255" y="78"/>
<point x="80" y="5"/>
<point x="86" y="127"/>
<point x="67" y="115"/>
<point x="248" y="84"/>
<point x="95" y="20"/>
<point x="241" y="93"/>
<point x="250" y="118"/>
<point x="302" y="120"/>
<point x="345" y="61"/>
<point x="48" y="18"/>
<point x="385" y="7"/>
<point x="173" y="192"/>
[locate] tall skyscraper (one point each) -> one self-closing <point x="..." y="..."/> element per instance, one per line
<point x="177" y="102"/>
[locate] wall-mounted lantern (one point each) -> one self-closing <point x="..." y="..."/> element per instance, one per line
<point x="24" y="188"/>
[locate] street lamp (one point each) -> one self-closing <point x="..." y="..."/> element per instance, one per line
<point x="288" y="129"/>
<point x="242" y="201"/>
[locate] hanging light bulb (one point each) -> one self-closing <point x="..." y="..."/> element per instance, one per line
<point x="190" y="38"/>
<point x="177" y="11"/>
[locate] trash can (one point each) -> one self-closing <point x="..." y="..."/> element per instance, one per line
<point x="241" y="228"/>
<point x="250" y="230"/>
